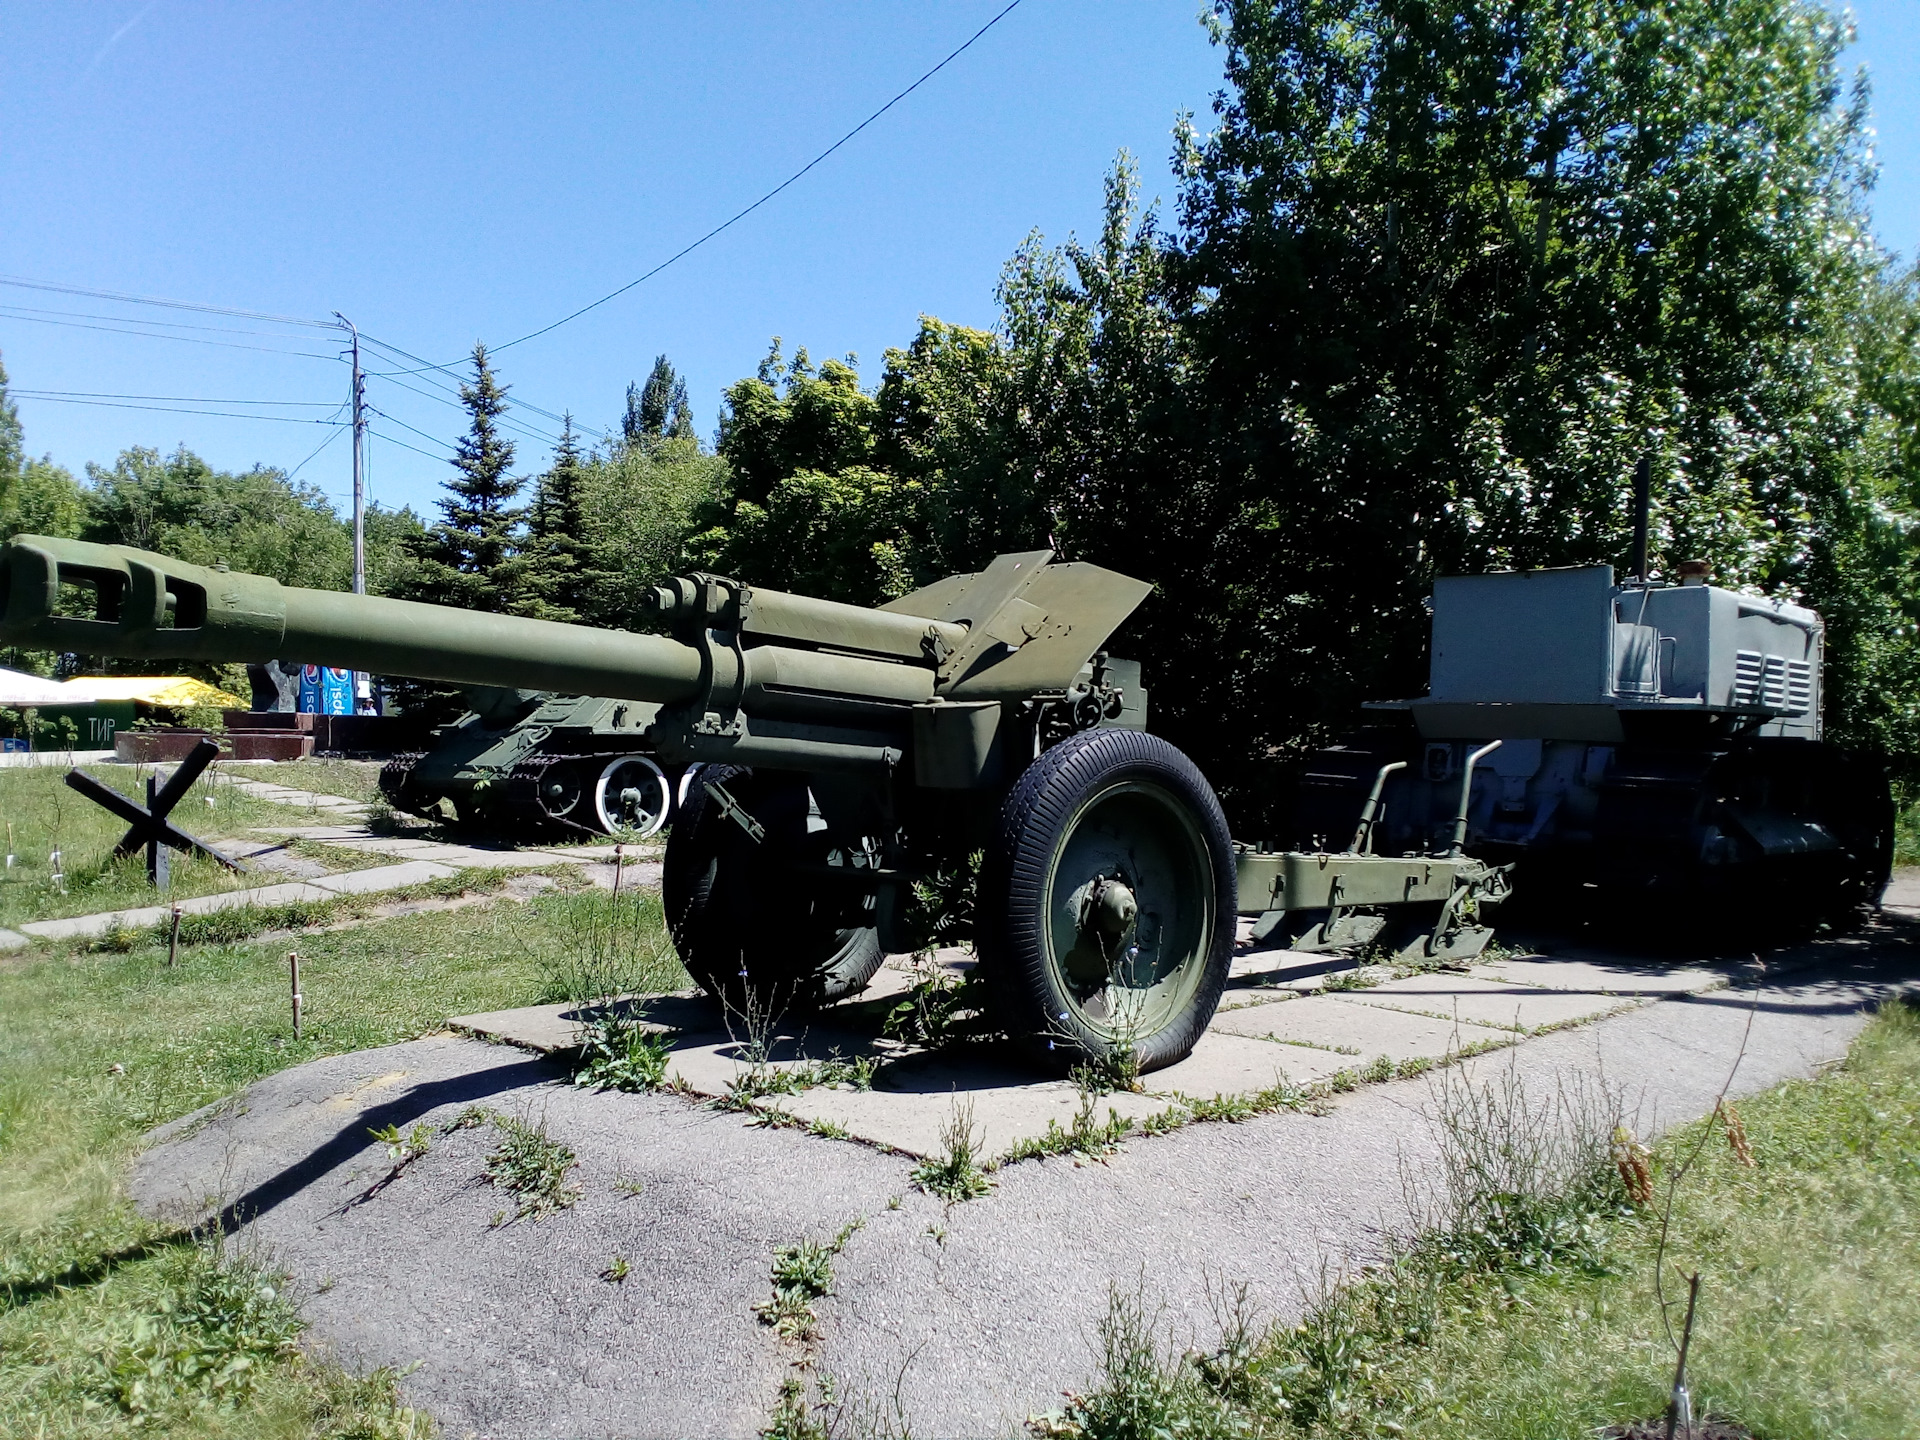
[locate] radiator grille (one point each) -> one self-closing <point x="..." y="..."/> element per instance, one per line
<point x="1747" y="668"/>
<point x="1773" y="683"/>
<point x="1799" y="686"/>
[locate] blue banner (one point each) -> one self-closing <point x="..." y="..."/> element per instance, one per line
<point x="325" y="690"/>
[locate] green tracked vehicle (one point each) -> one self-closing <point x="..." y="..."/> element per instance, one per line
<point x="529" y="762"/>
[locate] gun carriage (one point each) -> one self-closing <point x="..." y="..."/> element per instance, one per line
<point x="848" y="753"/>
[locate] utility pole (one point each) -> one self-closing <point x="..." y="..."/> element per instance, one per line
<point x="359" y="480"/>
<point x="359" y="483"/>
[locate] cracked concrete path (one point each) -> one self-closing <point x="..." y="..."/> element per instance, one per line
<point x="974" y="1315"/>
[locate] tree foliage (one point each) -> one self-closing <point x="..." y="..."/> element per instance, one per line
<point x="1443" y="271"/>
<point x="473" y="558"/>
<point x="658" y="410"/>
<point x="638" y="507"/>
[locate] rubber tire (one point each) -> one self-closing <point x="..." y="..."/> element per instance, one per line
<point x="1013" y="903"/>
<point x="712" y="884"/>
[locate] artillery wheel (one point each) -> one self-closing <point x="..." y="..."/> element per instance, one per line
<point x="632" y="793"/>
<point x="1107" y="905"/>
<point x="761" y="918"/>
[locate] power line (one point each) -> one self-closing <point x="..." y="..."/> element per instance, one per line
<point x="178" y="410"/>
<point x="126" y="299"/>
<point x="742" y="214"/>
<point x="428" y="365"/>
<point x="318" y="448"/>
<point x="440" y="459"/>
<point x="154" y="335"/>
<point x="531" y="432"/>
<point x="190" y="399"/>
<point x="421" y="433"/>
<point x="25" y="311"/>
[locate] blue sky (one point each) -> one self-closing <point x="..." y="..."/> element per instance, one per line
<point x="445" y="173"/>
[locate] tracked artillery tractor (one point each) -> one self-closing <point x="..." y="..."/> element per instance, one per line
<point x="848" y="753"/>
<point x="1659" y="753"/>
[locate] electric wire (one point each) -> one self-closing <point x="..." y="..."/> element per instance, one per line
<point x="321" y="446"/>
<point x="439" y="459"/>
<point x="27" y="310"/>
<point x="188" y="399"/>
<point x="531" y="432"/>
<point x="179" y="410"/>
<point x="416" y="430"/>
<point x="155" y="335"/>
<point x="126" y="299"/>
<point x="742" y="214"/>
<point x="429" y="366"/>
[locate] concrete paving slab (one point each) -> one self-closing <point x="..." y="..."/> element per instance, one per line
<point x="1903" y="891"/>
<point x="316" y="832"/>
<point x="383" y="877"/>
<point x="377" y="844"/>
<point x="1356" y="1033"/>
<point x="1450" y="995"/>
<point x="1002" y="1115"/>
<point x="86" y="926"/>
<point x="634" y="875"/>
<point x="1290" y="972"/>
<point x="12" y="940"/>
<point x="710" y="1061"/>
<point x="1594" y="979"/>
<point x="557" y="1027"/>
<point x="463" y="858"/>
<point x="27" y="759"/>
<point x="1224" y="1063"/>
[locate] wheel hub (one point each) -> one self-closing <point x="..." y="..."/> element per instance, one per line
<point x="1110" y="908"/>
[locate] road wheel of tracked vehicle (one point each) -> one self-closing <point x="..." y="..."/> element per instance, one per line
<point x="1107" y="903"/>
<point x="632" y="794"/>
<point x="764" y="917"/>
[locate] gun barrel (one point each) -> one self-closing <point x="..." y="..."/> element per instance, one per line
<point x="135" y="603"/>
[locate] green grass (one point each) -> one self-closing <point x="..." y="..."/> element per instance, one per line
<point x="95" y="1048"/>
<point x="42" y="815"/>
<point x="1534" y="1316"/>
<point x="350" y="779"/>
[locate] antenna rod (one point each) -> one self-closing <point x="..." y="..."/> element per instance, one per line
<point x="1642" y="503"/>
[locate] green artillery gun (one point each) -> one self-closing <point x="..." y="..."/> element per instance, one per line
<point x="847" y="754"/>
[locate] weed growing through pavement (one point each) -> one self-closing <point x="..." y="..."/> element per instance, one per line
<point x="618" y="1052"/>
<point x="956" y="1175"/>
<point x="802" y="1274"/>
<point x="1524" y="1183"/>
<point x="403" y="1150"/>
<point x="939" y="1008"/>
<point x="532" y="1167"/>
<point x="1087" y="1136"/>
<point x="1523" y="1187"/>
<point x="617" y="1270"/>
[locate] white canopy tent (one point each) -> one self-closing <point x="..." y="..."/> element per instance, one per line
<point x="17" y="689"/>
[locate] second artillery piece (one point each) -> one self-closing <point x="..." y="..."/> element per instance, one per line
<point x="848" y="753"/>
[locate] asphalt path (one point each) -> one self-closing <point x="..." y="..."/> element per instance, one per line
<point x="949" y="1320"/>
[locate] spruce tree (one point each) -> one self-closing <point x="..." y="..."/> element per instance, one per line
<point x="660" y="408"/>
<point x="470" y="559"/>
<point x="560" y="577"/>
